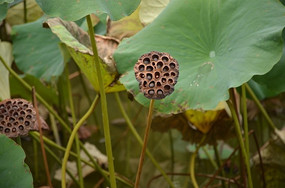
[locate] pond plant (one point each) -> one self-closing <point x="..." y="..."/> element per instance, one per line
<point x="210" y="72"/>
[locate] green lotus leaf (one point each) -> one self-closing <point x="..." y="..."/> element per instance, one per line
<point x="219" y="44"/>
<point x="36" y="50"/>
<point x="74" y="10"/>
<point x="271" y="83"/>
<point x="78" y="44"/>
<point x="13" y="171"/>
<point x="3" y="10"/>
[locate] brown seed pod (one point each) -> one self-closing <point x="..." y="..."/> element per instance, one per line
<point x="18" y="117"/>
<point x="157" y="73"/>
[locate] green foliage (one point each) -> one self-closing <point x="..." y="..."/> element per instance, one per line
<point x="218" y="44"/>
<point x="270" y="84"/>
<point x="14" y="172"/>
<point x="3" y="10"/>
<point x="74" y="10"/>
<point x="36" y="50"/>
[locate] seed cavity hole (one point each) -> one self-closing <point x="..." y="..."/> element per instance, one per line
<point x="146" y="61"/>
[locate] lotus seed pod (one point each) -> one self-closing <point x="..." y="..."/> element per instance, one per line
<point x="157" y="73"/>
<point x="18" y="117"/>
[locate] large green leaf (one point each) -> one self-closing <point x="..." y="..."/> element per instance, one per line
<point x="78" y="44"/>
<point x="14" y="172"/>
<point x="36" y="50"/>
<point x="74" y="10"/>
<point x="6" y="54"/>
<point x="219" y="44"/>
<point x="272" y="83"/>
<point x="3" y="10"/>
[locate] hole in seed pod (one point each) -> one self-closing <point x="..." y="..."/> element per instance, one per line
<point x="25" y="106"/>
<point x="153" y="64"/>
<point x="158" y="84"/>
<point x="27" y="123"/>
<point x="167" y="87"/>
<point x="146" y="61"/>
<point x="142" y="75"/>
<point x="141" y="67"/>
<point x="2" y="106"/>
<point x="22" y="113"/>
<point x="172" y="65"/>
<point x="16" y="114"/>
<point x="11" y="119"/>
<point x="159" y="92"/>
<point x="149" y="68"/>
<point x="20" y="103"/>
<point x="164" y="58"/>
<point x="165" y="68"/>
<point x="159" y="65"/>
<point x="14" y="107"/>
<point x="15" y="123"/>
<point x="8" y="107"/>
<point x="21" y="119"/>
<point x="29" y="110"/>
<point x="166" y="74"/>
<point x="11" y="112"/>
<point x="3" y="111"/>
<point x="14" y="102"/>
<point x="170" y="81"/>
<point x="1" y="128"/>
<point x="172" y="73"/>
<point x="155" y="57"/>
<point x="29" y="117"/>
<point x="14" y="129"/>
<point x="163" y="80"/>
<point x="7" y="130"/>
<point x="9" y="124"/>
<point x="8" y="102"/>
<point x="1" y="117"/>
<point x="21" y="127"/>
<point x="149" y="76"/>
<point x="151" y="84"/>
<point x="151" y="92"/>
<point x="3" y="122"/>
<point x="156" y="75"/>
<point x="144" y="84"/>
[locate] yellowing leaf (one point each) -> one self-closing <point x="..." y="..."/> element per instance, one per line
<point x="204" y="120"/>
<point x="125" y="27"/>
<point x="6" y="54"/>
<point x="78" y="44"/>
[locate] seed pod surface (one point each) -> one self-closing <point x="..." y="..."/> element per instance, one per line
<point x="18" y="117"/>
<point x="157" y="73"/>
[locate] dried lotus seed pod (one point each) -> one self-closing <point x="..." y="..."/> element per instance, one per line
<point x="157" y="73"/>
<point x="18" y="117"/>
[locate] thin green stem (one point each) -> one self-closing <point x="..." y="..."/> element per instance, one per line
<point x="244" y="114"/>
<point x="146" y="135"/>
<point x="41" y="138"/>
<point x="259" y="105"/>
<point x="54" y="129"/>
<point x="171" y="152"/>
<point x="71" y="105"/>
<point x="219" y="162"/>
<point x="213" y="162"/>
<point x="36" y="160"/>
<point x="241" y="143"/>
<point x="27" y="86"/>
<point x="25" y="11"/>
<point x="192" y="163"/>
<point x="138" y="138"/>
<point x="71" y="138"/>
<point x="104" y="109"/>
<point x="19" y="141"/>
